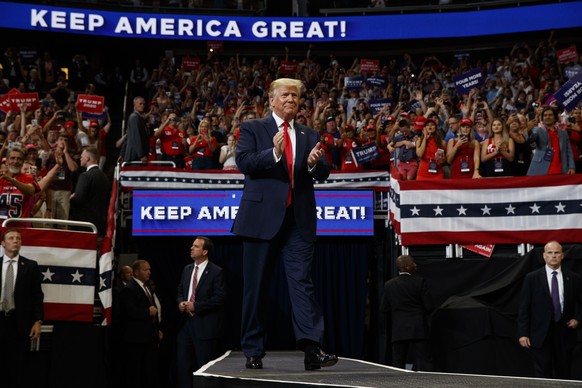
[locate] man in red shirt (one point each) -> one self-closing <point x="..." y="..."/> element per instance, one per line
<point x="346" y="144"/>
<point x="173" y="140"/>
<point x="329" y="140"/>
<point x="16" y="188"/>
<point x="553" y="153"/>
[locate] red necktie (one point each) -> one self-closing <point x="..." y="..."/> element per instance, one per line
<point x="194" y="284"/>
<point x="289" y="159"/>
<point x="149" y="295"/>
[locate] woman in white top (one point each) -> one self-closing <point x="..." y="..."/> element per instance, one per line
<point x="227" y="154"/>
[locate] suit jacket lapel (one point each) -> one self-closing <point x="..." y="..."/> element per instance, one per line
<point x="270" y="126"/>
<point x="188" y="281"/>
<point x="567" y="283"/>
<point x="202" y="278"/>
<point x="300" y="146"/>
<point x="20" y="273"/>
<point x="141" y="291"/>
<point x="545" y="285"/>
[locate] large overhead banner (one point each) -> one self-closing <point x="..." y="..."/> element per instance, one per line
<point x="43" y="18"/>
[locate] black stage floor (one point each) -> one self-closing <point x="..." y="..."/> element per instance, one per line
<point x="285" y="369"/>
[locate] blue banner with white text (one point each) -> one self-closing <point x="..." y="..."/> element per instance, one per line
<point x="212" y="212"/>
<point x="45" y="18"/>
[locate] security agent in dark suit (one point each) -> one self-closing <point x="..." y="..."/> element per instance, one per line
<point x="141" y="334"/>
<point x="136" y="146"/>
<point x="407" y="304"/>
<point x="90" y="201"/>
<point x="277" y="217"/>
<point x="21" y="315"/>
<point x="546" y="328"/>
<point x="201" y="302"/>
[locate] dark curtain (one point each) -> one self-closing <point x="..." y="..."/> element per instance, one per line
<point x="474" y="331"/>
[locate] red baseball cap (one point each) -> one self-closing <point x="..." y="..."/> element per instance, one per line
<point x="467" y="121"/>
<point x="419" y="123"/>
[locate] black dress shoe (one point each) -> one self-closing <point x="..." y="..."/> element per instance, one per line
<point x="254" y="363"/>
<point x="315" y="358"/>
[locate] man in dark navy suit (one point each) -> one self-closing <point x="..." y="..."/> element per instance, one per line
<point x="92" y="194"/>
<point x="280" y="159"/>
<point x="21" y="310"/>
<point x="141" y="333"/>
<point x="550" y="311"/>
<point x="201" y="299"/>
<point x="407" y="304"/>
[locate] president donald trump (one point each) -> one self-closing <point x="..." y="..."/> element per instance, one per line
<point x="276" y="218"/>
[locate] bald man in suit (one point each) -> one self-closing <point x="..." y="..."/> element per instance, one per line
<point x="280" y="160"/>
<point x="546" y="328"/>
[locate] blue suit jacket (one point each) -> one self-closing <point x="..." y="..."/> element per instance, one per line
<point x="536" y="309"/>
<point x="210" y="300"/>
<point x="263" y="203"/>
<point x="540" y="137"/>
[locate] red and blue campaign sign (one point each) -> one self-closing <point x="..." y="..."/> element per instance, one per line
<point x="29" y="100"/>
<point x="212" y="212"/>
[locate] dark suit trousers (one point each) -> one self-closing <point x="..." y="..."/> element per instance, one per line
<point x="193" y="353"/>
<point x="554" y="358"/>
<point x="141" y="364"/>
<point x="13" y="353"/>
<point x="259" y="259"/>
<point x="420" y="354"/>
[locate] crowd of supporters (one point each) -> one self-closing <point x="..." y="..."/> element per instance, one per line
<point x="424" y="128"/>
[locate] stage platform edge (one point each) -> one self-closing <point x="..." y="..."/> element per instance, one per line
<point x="284" y="369"/>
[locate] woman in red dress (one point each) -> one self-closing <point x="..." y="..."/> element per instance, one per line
<point x="430" y="148"/>
<point x="464" y="153"/>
